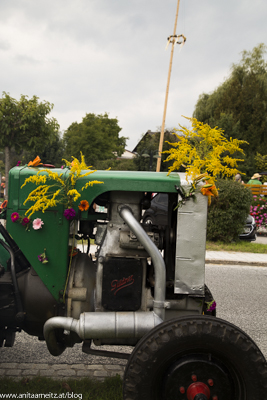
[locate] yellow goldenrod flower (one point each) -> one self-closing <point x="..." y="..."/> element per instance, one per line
<point x="202" y="149"/>
<point x="90" y="183"/>
<point x="61" y="191"/>
<point x="74" y="193"/>
<point x="53" y="175"/>
<point x="35" y="179"/>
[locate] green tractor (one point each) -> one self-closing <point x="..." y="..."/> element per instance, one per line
<point x="144" y="286"/>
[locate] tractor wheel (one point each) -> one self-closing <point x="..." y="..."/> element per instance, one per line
<point x="196" y="358"/>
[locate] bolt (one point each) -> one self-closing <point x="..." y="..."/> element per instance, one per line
<point x="194" y="378"/>
<point x="210" y="382"/>
<point x="182" y="390"/>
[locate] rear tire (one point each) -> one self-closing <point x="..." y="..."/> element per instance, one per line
<point x="199" y="354"/>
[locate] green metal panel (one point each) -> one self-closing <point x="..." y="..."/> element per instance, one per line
<point x="130" y="181"/>
<point x="54" y="234"/>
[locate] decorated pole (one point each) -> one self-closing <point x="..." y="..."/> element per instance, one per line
<point x="173" y="40"/>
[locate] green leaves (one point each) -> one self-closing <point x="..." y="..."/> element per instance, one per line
<point x="239" y="105"/>
<point x="24" y="125"/>
<point x="24" y="122"/>
<point x="227" y="214"/>
<point x="97" y="136"/>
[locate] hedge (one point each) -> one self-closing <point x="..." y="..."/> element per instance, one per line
<point x="228" y="213"/>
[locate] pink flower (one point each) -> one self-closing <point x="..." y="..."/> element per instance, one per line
<point x="18" y="163"/>
<point x="37" y="223"/>
<point x="25" y="221"/>
<point x="14" y="216"/>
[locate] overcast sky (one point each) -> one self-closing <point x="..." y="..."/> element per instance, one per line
<point x="97" y="56"/>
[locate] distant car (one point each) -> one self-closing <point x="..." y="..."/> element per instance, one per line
<point x="250" y="228"/>
<point x="157" y="215"/>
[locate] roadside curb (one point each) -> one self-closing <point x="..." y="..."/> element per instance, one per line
<point x="244" y="263"/>
<point x="98" y="372"/>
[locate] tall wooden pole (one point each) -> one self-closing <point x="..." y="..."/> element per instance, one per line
<point x="167" y="91"/>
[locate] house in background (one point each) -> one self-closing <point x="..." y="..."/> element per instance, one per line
<point x="147" y="153"/>
<point x="127" y="155"/>
<point x="148" y="134"/>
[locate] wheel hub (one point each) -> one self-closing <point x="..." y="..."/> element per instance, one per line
<point x="198" y="391"/>
<point x="198" y="377"/>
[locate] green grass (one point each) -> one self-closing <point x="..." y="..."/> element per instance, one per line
<point x="87" y="389"/>
<point x="241" y="246"/>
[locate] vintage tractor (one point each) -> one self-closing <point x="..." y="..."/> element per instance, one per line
<point x="144" y="287"/>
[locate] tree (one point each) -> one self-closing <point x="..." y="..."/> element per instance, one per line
<point x="24" y="125"/>
<point x="118" y="164"/>
<point x="261" y="165"/>
<point x="51" y="153"/>
<point x="239" y="105"/>
<point x="97" y="136"/>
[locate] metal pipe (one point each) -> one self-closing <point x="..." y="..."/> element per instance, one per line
<point x="100" y="325"/>
<point x="158" y="262"/>
<point x="66" y="323"/>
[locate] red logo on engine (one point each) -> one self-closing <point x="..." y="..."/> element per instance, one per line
<point x="117" y="285"/>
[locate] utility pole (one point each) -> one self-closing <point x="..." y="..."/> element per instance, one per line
<point x="172" y="39"/>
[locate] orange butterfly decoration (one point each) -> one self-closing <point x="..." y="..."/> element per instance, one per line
<point x="35" y="162"/>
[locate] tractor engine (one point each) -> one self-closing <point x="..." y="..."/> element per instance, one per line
<point x="137" y="278"/>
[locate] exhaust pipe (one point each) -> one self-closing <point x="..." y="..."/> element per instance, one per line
<point x="100" y="325"/>
<point x="158" y="262"/>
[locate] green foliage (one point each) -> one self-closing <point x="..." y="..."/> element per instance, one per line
<point x="261" y="165"/>
<point x="227" y="213"/>
<point x="239" y="105"/>
<point x="50" y="154"/>
<point x="24" y="125"/>
<point x="147" y="151"/>
<point x="116" y="165"/>
<point x="97" y="136"/>
<point x="2" y="168"/>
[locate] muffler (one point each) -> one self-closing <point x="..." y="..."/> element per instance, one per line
<point x="99" y="325"/>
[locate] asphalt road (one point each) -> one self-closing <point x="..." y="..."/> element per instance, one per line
<point x="241" y="297"/>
